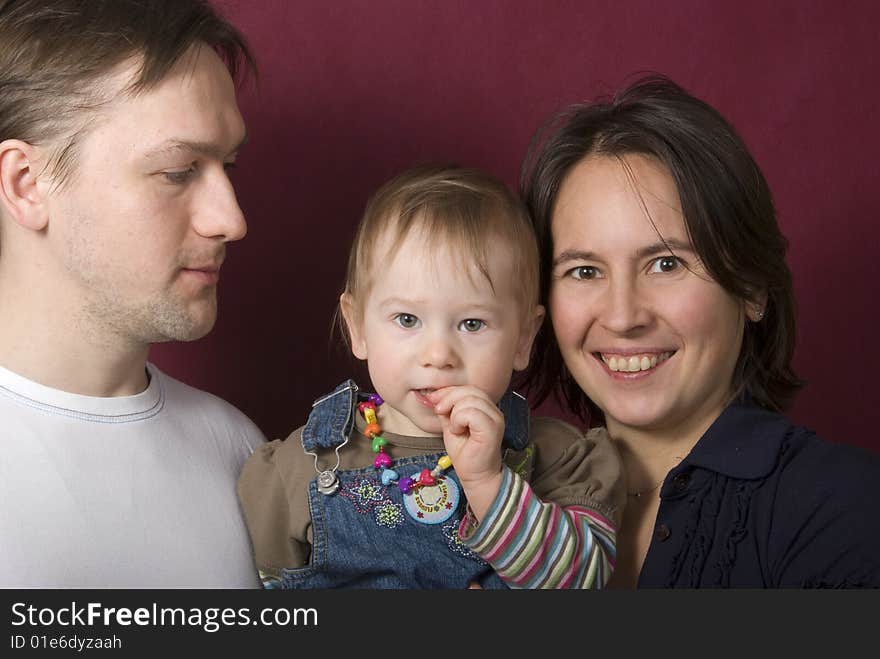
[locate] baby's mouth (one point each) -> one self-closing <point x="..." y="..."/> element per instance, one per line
<point x="422" y="397"/>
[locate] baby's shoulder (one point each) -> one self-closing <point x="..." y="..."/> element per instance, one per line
<point x="548" y="431"/>
<point x="285" y="457"/>
<point x="556" y="441"/>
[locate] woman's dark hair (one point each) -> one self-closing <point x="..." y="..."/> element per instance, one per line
<point x="728" y="214"/>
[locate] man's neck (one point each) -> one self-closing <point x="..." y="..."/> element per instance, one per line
<point x="48" y="344"/>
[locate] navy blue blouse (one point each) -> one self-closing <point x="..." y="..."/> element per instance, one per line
<point x="761" y="503"/>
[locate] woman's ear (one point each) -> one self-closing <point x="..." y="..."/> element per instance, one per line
<point x="756" y="306"/>
<point x="20" y="195"/>
<point x="527" y="336"/>
<point x="354" y="325"/>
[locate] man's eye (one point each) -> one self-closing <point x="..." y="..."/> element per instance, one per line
<point x="583" y="272"/>
<point x="471" y="325"/>
<point x="664" y="264"/>
<point x="406" y="320"/>
<point x="180" y="176"/>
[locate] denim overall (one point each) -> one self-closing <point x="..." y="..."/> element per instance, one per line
<point x="362" y="535"/>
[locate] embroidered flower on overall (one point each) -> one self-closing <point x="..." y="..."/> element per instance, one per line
<point x="364" y="493"/>
<point x="389" y="514"/>
<point x="450" y="533"/>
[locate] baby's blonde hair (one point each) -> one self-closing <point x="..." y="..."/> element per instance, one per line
<point x="464" y="209"/>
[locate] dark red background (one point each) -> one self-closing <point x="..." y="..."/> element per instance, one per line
<point x="351" y="92"/>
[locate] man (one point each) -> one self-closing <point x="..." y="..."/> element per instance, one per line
<point x="118" y="121"/>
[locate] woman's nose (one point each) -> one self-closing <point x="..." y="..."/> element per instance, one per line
<point x="624" y="308"/>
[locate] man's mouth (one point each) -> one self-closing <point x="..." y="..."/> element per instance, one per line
<point x="207" y="267"/>
<point x="633" y="363"/>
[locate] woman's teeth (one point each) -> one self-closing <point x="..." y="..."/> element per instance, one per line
<point x="634" y="363"/>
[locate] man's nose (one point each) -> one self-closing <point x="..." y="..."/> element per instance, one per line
<point x="218" y="214"/>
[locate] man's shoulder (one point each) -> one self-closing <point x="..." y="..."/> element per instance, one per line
<point x="209" y="409"/>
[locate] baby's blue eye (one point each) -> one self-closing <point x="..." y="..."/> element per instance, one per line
<point x="406" y="320"/>
<point x="471" y="325"/>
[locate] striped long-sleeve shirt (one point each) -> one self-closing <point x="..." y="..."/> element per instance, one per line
<point x="532" y="544"/>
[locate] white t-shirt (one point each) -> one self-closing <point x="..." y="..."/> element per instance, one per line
<point x="126" y="492"/>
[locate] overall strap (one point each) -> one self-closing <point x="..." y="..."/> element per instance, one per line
<point x="516" y="420"/>
<point x="331" y="418"/>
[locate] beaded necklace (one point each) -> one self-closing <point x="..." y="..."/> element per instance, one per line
<point x="383" y="460"/>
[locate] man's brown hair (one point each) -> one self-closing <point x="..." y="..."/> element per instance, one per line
<point x="55" y="53"/>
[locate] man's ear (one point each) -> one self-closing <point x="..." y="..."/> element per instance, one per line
<point x="527" y="337"/>
<point x="20" y="195"/>
<point x="354" y="324"/>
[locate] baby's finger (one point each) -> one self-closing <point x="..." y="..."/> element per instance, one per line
<point x="446" y="398"/>
<point x="475" y="419"/>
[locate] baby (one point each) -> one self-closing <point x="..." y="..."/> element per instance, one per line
<point x="437" y="480"/>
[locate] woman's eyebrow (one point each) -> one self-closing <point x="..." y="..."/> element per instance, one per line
<point x="664" y="247"/>
<point x="660" y="247"/>
<point x="573" y="255"/>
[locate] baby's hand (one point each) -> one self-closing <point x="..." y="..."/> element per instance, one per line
<point x="473" y="428"/>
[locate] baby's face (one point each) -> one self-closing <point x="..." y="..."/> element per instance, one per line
<point x="431" y="320"/>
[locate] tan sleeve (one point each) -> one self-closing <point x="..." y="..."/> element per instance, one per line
<point x="576" y="469"/>
<point x="273" y="491"/>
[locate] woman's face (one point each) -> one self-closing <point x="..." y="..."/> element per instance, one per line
<point x="644" y="330"/>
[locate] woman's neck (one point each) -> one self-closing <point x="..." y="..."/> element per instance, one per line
<point x="649" y="453"/>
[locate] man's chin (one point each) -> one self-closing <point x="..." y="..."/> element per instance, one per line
<point x="184" y="329"/>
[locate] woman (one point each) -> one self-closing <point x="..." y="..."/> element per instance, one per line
<point x="672" y="320"/>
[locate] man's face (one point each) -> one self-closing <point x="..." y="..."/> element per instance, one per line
<point x="139" y="231"/>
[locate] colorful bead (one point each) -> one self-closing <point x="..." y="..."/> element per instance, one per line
<point x="383" y="460"/>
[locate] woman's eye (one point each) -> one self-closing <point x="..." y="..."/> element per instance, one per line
<point x="471" y="325"/>
<point x="583" y="272"/>
<point x="664" y="264"/>
<point x="406" y="320"/>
